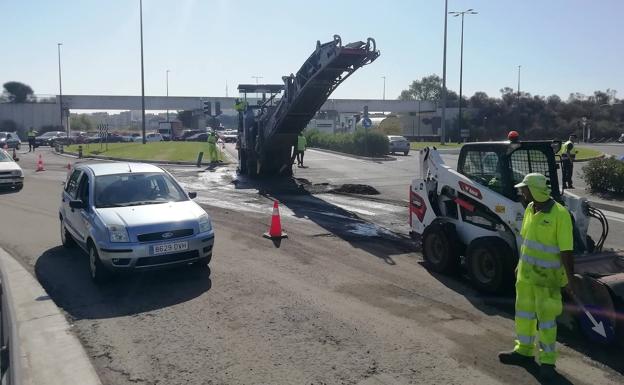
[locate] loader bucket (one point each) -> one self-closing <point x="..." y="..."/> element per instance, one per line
<point x="601" y="297"/>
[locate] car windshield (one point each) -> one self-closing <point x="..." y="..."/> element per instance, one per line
<point x="4" y="157"/>
<point x="136" y="189"/>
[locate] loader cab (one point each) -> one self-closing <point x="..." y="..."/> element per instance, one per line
<point x="501" y="165"/>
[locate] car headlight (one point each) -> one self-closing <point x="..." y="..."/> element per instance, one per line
<point x="118" y="234"/>
<point x="204" y="224"/>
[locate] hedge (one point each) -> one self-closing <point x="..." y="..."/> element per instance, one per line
<point x="367" y="143"/>
<point x="605" y="175"/>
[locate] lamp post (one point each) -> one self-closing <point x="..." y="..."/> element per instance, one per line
<point x="257" y="78"/>
<point x="384" y="87"/>
<point x="142" y="75"/>
<point x="461" y="60"/>
<point x="443" y="123"/>
<point x="58" y="46"/>
<point x="167" y="75"/>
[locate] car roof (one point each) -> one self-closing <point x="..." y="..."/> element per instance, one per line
<point x="113" y="168"/>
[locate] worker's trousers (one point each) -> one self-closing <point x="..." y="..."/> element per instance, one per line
<point x="537" y="307"/>
<point x="567" y="169"/>
<point x="212" y="152"/>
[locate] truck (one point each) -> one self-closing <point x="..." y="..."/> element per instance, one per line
<point x="170" y="130"/>
<point x="268" y="130"/>
<point x="469" y="220"/>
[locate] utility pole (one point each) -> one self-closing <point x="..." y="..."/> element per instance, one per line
<point x="58" y="46"/>
<point x="226" y="89"/>
<point x="167" y="74"/>
<point x="443" y="123"/>
<point x="142" y="75"/>
<point x="461" y="62"/>
<point x="384" y="87"/>
<point x="519" y="66"/>
<point x="257" y="78"/>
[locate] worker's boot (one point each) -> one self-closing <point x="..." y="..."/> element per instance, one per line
<point x="547" y="372"/>
<point x="514" y="358"/>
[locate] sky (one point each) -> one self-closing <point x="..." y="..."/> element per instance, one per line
<point x="563" y="46"/>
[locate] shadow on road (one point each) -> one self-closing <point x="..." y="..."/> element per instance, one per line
<point x="503" y="305"/>
<point x="64" y="273"/>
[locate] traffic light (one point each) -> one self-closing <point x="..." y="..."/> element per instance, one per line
<point x="208" y="108"/>
<point x="217" y="108"/>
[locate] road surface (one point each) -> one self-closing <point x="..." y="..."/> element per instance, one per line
<point x="341" y="301"/>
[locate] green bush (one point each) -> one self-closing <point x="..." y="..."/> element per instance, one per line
<point x="605" y="175"/>
<point x="368" y="143"/>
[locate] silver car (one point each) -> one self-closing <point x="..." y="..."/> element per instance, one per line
<point x="133" y="216"/>
<point x="398" y="144"/>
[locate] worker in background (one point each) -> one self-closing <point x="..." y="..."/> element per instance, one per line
<point x="545" y="266"/>
<point x="568" y="154"/>
<point x="299" y="150"/>
<point x="212" y="146"/>
<point x="32" y="134"/>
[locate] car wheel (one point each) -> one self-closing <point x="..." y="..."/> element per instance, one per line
<point x="490" y="265"/>
<point x="405" y="153"/>
<point x="99" y="272"/>
<point x="66" y="238"/>
<point x="440" y="247"/>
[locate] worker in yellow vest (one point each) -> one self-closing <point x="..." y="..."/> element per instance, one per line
<point x="299" y="150"/>
<point x="568" y="155"/>
<point x="545" y="266"/>
<point x="212" y="147"/>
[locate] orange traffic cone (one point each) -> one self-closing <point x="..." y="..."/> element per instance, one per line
<point x="275" y="231"/>
<point x="40" y="164"/>
<point x="68" y="168"/>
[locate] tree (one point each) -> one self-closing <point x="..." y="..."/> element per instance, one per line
<point x="186" y="117"/>
<point x="81" y="122"/>
<point x="427" y="88"/>
<point x="17" y="92"/>
<point x="390" y="126"/>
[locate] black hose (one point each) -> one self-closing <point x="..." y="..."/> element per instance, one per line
<point x="599" y="215"/>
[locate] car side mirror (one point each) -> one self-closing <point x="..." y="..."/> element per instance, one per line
<point x="77" y="204"/>
<point x="192" y="195"/>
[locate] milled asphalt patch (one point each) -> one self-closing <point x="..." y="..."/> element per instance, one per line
<point x="43" y="349"/>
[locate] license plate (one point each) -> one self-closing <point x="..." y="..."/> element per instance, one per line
<point x="173" y="247"/>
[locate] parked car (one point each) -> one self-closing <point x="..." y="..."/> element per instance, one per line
<point x="11" y="139"/>
<point x="229" y="136"/>
<point x="75" y="137"/>
<point x="187" y="133"/>
<point x="133" y="216"/>
<point x="110" y="138"/>
<point x="48" y="138"/>
<point x="201" y="137"/>
<point x="11" y="175"/>
<point x="153" y="137"/>
<point x="398" y="144"/>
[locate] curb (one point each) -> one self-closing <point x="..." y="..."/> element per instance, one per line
<point x="162" y="162"/>
<point x="387" y="159"/>
<point x="43" y="350"/>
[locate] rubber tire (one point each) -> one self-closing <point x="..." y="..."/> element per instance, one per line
<point x="66" y="238"/>
<point x="504" y="262"/>
<point x="444" y="236"/>
<point x="405" y="153"/>
<point x="101" y="274"/>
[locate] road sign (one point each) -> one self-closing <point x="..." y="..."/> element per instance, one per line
<point x="367" y="123"/>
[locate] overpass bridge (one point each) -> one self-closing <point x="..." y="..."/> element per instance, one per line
<point x="119" y="102"/>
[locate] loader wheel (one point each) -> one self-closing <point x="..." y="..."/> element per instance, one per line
<point x="490" y="264"/>
<point x="439" y="245"/>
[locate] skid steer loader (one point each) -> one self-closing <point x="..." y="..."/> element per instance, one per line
<point x="469" y="220"/>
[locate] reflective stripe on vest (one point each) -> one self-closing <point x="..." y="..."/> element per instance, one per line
<point x="548" y="348"/>
<point x="541" y="247"/>
<point x="527" y="340"/>
<point x="547" y="325"/>
<point x="540" y="262"/>
<point x="525" y="314"/>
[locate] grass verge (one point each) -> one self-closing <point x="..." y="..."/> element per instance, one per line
<point x="421" y="145"/>
<point x="158" y="151"/>
<point x="585" y="153"/>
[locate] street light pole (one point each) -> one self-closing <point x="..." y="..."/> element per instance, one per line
<point x="443" y="123"/>
<point x="167" y="73"/>
<point x="58" y="45"/>
<point x="461" y="61"/>
<point x="519" y="66"/>
<point x="142" y="75"/>
<point x="384" y="87"/>
<point x="257" y="77"/>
